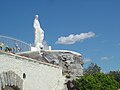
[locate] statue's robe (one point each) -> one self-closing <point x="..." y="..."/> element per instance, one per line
<point x="39" y="34"/>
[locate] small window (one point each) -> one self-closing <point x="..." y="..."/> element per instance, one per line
<point x="24" y="75"/>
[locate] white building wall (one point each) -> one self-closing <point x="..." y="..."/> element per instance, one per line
<point x="38" y="76"/>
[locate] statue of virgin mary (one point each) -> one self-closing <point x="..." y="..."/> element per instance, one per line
<point x="39" y="34"/>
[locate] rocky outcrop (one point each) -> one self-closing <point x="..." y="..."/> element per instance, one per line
<point x="70" y="62"/>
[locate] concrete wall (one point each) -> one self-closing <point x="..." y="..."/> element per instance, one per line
<point x="39" y="76"/>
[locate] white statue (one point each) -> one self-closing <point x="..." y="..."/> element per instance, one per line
<point x="39" y="34"/>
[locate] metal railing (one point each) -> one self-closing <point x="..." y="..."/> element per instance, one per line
<point x="13" y="45"/>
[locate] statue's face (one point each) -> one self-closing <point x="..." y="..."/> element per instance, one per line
<point x="36" y="16"/>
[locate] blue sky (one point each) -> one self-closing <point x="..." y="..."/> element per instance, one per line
<point x="61" y="18"/>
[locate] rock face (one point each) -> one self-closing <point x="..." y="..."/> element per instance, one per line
<point x="71" y="62"/>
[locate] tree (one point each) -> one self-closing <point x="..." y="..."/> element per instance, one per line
<point x="92" y="68"/>
<point x="116" y="75"/>
<point x="97" y="81"/>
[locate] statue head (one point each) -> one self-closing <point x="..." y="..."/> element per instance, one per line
<point x="36" y="17"/>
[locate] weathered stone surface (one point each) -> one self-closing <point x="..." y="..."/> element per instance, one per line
<point x="71" y="62"/>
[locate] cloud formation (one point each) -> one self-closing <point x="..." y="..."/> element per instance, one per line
<point x="107" y="58"/>
<point x="71" y="39"/>
<point x="87" y="60"/>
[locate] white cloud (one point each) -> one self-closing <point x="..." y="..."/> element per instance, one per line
<point x="107" y="58"/>
<point x="71" y="39"/>
<point x="85" y="60"/>
<point x="104" y="58"/>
